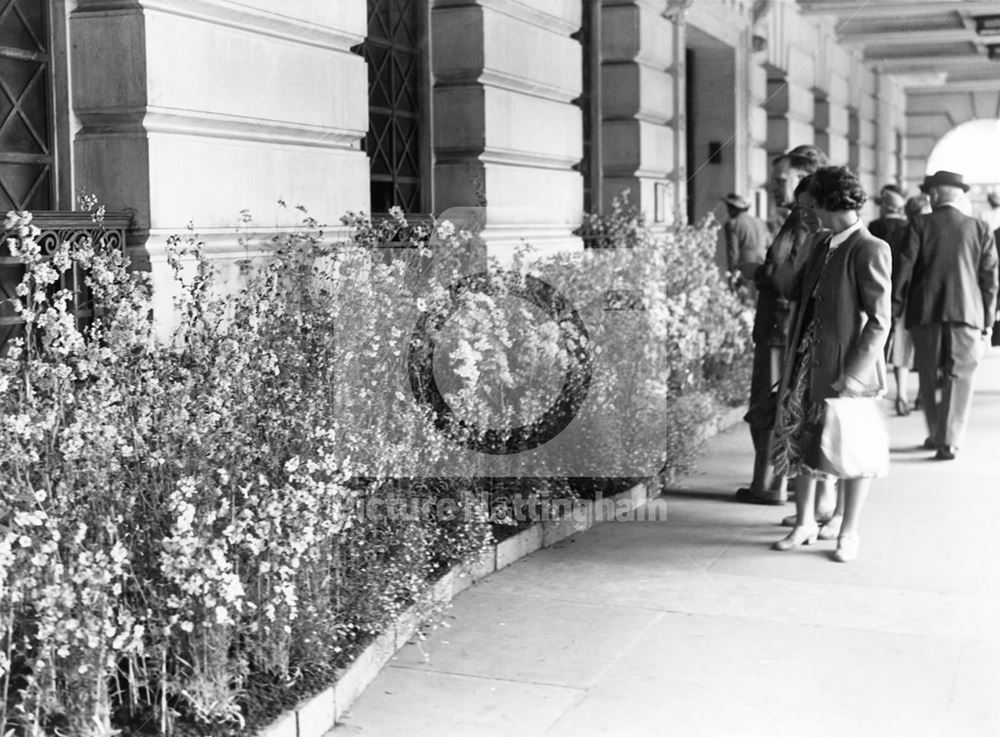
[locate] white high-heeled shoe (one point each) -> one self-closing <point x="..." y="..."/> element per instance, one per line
<point x="801" y="535"/>
<point x="830" y="530"/>
<point x="847" y="548"/>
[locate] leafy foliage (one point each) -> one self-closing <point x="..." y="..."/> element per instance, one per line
<point x="193" y="528"/>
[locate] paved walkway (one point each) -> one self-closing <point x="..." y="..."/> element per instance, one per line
<point x="694" y="626"/>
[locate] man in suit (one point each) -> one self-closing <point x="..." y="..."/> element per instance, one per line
<point x="770" y="328"/>
<point x="992" y="216"/>
<point x="746" y="236"/>
<point x="947" y="281"/>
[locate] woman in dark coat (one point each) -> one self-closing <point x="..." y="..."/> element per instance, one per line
<point x="836" y="347"/>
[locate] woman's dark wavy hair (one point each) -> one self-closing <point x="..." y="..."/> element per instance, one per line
<point x="803" y="185"/>
<point x="836" y="188"/>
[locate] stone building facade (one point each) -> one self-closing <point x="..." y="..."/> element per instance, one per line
<point x="193" y="110"/>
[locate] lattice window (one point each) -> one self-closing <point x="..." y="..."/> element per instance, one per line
<point x="26" y="131"/>
<point x="396" y="135"/>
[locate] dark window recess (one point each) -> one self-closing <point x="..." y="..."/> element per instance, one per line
<point x="393" y="143"/>
<point x="714" y="152"/>
<point x="586" y="36"/>
<point x="26" y="151"/>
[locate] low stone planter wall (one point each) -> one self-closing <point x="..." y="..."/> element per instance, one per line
<point x="316" y="716"/>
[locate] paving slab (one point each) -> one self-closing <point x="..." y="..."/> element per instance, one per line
<point x="520" y="638"/>
<point x="408" y="703"/>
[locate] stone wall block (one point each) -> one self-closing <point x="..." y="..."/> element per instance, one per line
<point x="457" y="46"/>
<point x="636" y="32"/>
<point x="838" y="120"/>
<point x="634" y="90"/>
<point x="928" y="124"/>
<point x="620" y="86"/>
<point x="530" y="58"/>
<point x="758" y="84"/>
<point x="220" y="178"/>
<point x="114" y="167"/>
<point x="802" y="64"/>
<point x="108" y="61"/>
<point x="801" y="103"/>
<point x="555" y="196"/>
<point x="547" y="132"/>
<point x="778" y="94"/>
<point x="759" y="165"/>
<point x="866" y="132"/>
<point x="209" y="70"/>
<point x="620" y="33"/>
<point x="462" y="114"/>
<point x="835" y="146"/>
<point x="838" y="90"/>
<point x="821" y="116"/>
<point x="758" y="126"/>
<point x="560" y="16"/>
<point x="347" y="16"/>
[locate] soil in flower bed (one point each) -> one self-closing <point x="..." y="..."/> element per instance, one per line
<point x="601" y="488"/>
<point x="265" y="697"/>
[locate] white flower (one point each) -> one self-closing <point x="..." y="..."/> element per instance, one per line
<point x="445" y="229"/>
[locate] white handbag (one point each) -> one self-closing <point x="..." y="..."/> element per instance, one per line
<point x="855" y="440"/>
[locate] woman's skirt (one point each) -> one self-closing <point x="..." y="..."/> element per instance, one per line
<point x="900" y="352"/>
<point x="797" y="434"/>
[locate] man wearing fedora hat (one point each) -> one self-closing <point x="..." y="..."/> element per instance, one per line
<point x="746" y="236"/>
<point x="947" y="285"/>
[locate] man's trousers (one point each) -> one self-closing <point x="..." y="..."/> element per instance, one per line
<point x="949" y="350"/>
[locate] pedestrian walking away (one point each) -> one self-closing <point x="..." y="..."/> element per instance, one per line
<point x="947" y="290"/>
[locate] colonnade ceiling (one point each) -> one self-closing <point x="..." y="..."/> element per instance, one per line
<point x="954" y="44"/>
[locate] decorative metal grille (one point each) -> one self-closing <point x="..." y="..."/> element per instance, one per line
<point x="58" y="227"/>
<point x="394" y="57"/>
<point x="26" y="156"/>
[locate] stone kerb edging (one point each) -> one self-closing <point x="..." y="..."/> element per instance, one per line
<point x="316" y="716"/>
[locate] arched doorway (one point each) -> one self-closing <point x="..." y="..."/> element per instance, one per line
<point x="932" y="114"/>
<point x="973" y="149"/>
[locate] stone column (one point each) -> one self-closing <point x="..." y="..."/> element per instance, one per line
<point x="832" y="98"/>
<point x="193" y="110"/>
<point x="507" y="133"/>
<point x="643" y="78"/>
<point x="888" y="134"/>
<point x="759" y="166"/>
<point x="862" y="135"/>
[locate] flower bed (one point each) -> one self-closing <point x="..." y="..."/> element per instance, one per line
<point x="196" y="533"/>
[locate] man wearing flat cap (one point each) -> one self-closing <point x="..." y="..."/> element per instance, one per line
<point x="746" y="236"/>
<point x="773" y="317"/>
<point x="947" y="285"/>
